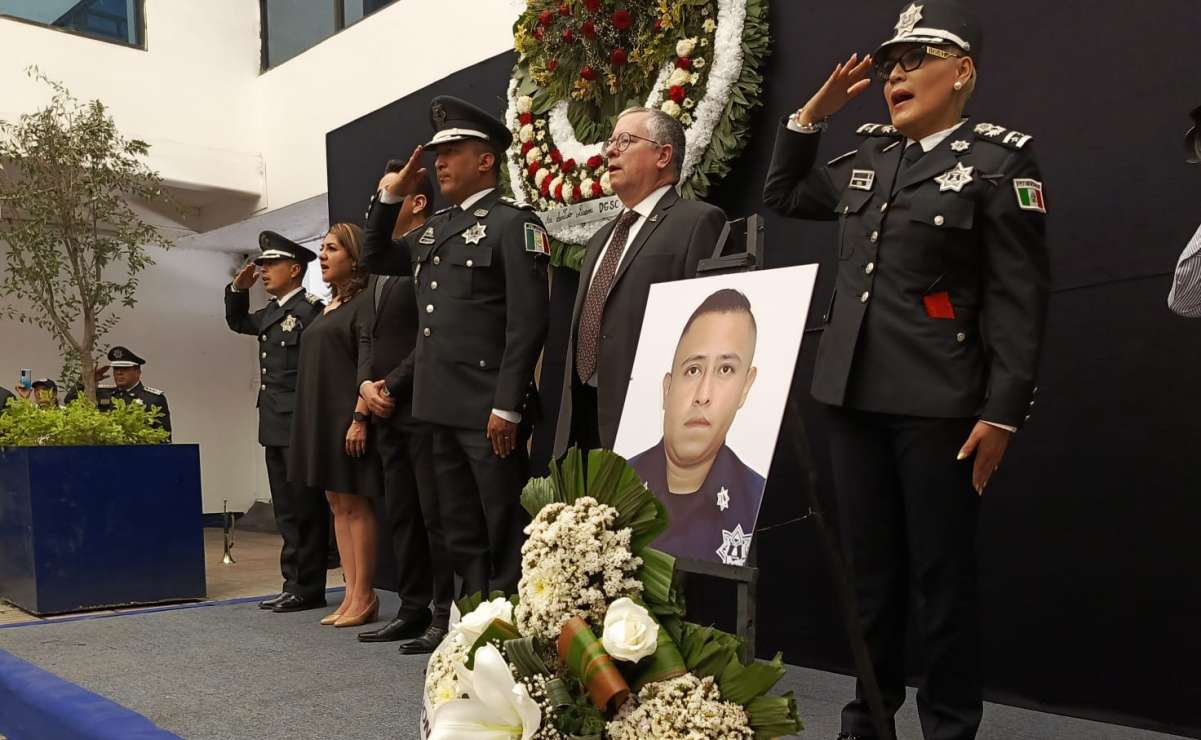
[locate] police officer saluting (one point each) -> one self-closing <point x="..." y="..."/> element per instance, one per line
<point x="127" y="375"/>
<point x="480" y="273"/>
<point x="930" y="351"/>
<point x="300" y="512"/>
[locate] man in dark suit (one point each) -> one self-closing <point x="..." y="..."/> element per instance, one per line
<point x="127" y="376"/>
<point x="423" y="567"/>
<point x="657" y="238"/>
<point x="712" y="497"/>
<point x="480" y="273"/>
<point x="301" y="513"/>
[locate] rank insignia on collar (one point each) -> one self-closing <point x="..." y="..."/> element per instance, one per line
<point x="960" y="146"/>
<point x="862" y="179"/>
<point x="289" y="323"/>
<point x="311" y="297"/>
<point x="955" y="178"/>
<point x="480" y="212"/>
<point x="536" y="239"/>
<point x="735" y="546"/>
<point x="427" y="237"/>
<point x="723" y="498"/>
<point x="475" y="234"/>
<point x="909" y="19"/>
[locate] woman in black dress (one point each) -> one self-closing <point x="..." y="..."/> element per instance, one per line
<point x="329" y="433"/>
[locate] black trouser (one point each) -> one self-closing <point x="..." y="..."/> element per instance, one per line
<point x="585" y="416"/>
<point x="302" y="517"/>
<point x="479" y="500"/>
<point x="424" y="571"/>
<point x="908" y="516"/>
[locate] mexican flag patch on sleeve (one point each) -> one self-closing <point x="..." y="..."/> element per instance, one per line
<point x="1030" y="195"/>
<point x="536" y="239"/>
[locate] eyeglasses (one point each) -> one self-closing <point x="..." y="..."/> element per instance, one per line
<point x="911" y="60"/>
<point x="623" y="141"/>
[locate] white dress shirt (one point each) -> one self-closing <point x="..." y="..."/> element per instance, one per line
<point x="1185" y="296"/>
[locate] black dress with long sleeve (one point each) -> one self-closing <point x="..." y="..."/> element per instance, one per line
<point x="326" y="394"/>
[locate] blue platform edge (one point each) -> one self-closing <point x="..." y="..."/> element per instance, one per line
<point x="37" y="705"/>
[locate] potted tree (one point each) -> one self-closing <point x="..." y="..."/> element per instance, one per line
<point x="94" y="512"/>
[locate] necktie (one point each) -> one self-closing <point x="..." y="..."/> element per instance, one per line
<point x="594" y="302"/>
<point x="912" y="154"/>
<point x="380" y="282"/>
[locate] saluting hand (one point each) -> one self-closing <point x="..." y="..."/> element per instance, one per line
<point x="400" y="184"/>
<point x="988" y="443"/>
<point x="502" y="434"/>
<point x="246" y="276"/>
<point x="844" y="84"/>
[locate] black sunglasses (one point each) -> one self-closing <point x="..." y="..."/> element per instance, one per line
<point x="910" y="60"/>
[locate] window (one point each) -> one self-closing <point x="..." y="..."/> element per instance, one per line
<point x="294" y="26"/>
<point x="110" y="20"/>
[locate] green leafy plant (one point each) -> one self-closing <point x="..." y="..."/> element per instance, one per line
<point x="25" y="424"/>
<point x="75" y="245"/>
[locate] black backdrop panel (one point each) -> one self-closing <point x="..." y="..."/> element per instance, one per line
<point x="1088" y="540"/>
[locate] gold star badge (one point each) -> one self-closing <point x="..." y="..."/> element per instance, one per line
<point x="475" y="234"/>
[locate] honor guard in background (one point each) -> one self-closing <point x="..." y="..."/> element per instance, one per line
<point x="930" y="353"/>
<point x="480" y="273"/>
<point x="301" y="513"/>
<point x="127" y="375"/>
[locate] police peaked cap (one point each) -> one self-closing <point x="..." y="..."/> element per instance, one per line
<point x="454" y="119"/>
<point x="1192" y="140"/>
<point x="276" y="247"/>
<point x="937" y="22"/>
<point x="122" y="357"/>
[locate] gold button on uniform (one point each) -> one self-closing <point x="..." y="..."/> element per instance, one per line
<point x="866" y="294"/>
<point x="871" y="267"/>
<point x="961" y="337"/>
<point x="470" y="263"/>
<point x="437" y="260"/>
<point x="427" y="331"/>
<point x="264" y="355"/>
<point x="262" y="387"/>
<point x="264" y="370"/>
<point x="483" y="363"/>
<point x="939" y="220"/>
<point x="883" y="208"/>
<point x="875" y="236"/>
<point x="429" y="308"/>
<point x="434" y="285"/>
<point x="283" y="344"/>
<point x="263" y="338"/>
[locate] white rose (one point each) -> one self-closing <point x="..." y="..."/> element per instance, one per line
<point x="541" y="135"/>
<point x="686" y="120"/>
<point x="670" y="108"/>
<point x="541" y="175"/>
<point x="689" y="103"/>
<point x="526" y="133"/>
<point x="698" y="63"/>
<point x="533" y="155"/>
<point x="709" y="26"/>
<point x="679" y="77"/>
<point x="694" y="78"/>
<point x="586" y="187"/>
<point x="630" y="633"/>
<point x="525" y="104"/>
<point x="568" y="193"/>
<point x="684" y="47"/>
<point x="606" y="185"/>
<point x="474" y="624"/>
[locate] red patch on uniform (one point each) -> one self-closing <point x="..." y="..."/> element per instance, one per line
<point x="938" y="305"/>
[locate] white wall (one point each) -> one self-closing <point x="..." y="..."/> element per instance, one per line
<point x="232" y="142"/>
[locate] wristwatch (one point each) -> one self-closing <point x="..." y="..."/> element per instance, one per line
<point x="809" y="128"/>
<point x="358" y="416"/>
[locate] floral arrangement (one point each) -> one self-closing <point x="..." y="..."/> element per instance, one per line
<point x="594" y="644"/>
<point x="582" y="62"/>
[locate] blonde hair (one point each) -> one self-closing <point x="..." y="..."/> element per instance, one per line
<point x="351" y="239"/>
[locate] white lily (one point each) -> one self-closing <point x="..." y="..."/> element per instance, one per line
<point x="499" y="708"/>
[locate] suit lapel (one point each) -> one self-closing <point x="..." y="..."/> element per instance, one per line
<point x="886" y="168"/>
<point x="462" y="220"/>
<point x="935" y="162"/>
<point x="658" y="216"/>
<point x="387" y="283"/>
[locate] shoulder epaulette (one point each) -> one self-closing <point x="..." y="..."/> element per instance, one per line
<point x="1001" y="135"/>
<point x="312" y="298"/>
<point x="444" y="210"/>
<point x="877" y="129"/>
<point x="514" y="204"/>
<point x="154" y="391"/>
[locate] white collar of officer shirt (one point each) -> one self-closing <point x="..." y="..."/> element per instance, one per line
<point x="471" y="200"/>
<point x="929" y="142"/>
<point x="285" y="298"/>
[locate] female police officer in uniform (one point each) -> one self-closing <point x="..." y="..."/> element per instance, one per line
<point x="931" y="344"/>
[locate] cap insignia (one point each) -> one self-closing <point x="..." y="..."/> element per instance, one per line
<point x="908" y="20"/>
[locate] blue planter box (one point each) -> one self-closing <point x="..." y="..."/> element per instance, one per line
<point x="100" y="527"/>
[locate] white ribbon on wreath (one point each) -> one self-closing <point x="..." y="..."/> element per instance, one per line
<point x="575" y="223"/>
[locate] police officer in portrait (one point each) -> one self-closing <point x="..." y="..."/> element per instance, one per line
<point x="930" y="351"/>
<point x="127" y="377"/>
<point x="480" y="274"/>
<point x="301" y="514"/>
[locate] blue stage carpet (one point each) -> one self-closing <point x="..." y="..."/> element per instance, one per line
<point x="230" y="671"/>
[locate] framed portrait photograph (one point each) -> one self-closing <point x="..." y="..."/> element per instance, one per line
<point x="710" y="383"/>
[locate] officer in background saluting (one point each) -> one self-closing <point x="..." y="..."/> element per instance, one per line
<point x="480" y="271"/>
<point x="301" y="514"/>
<point x="127" y="374"/>
<point x="930" y="353"/>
